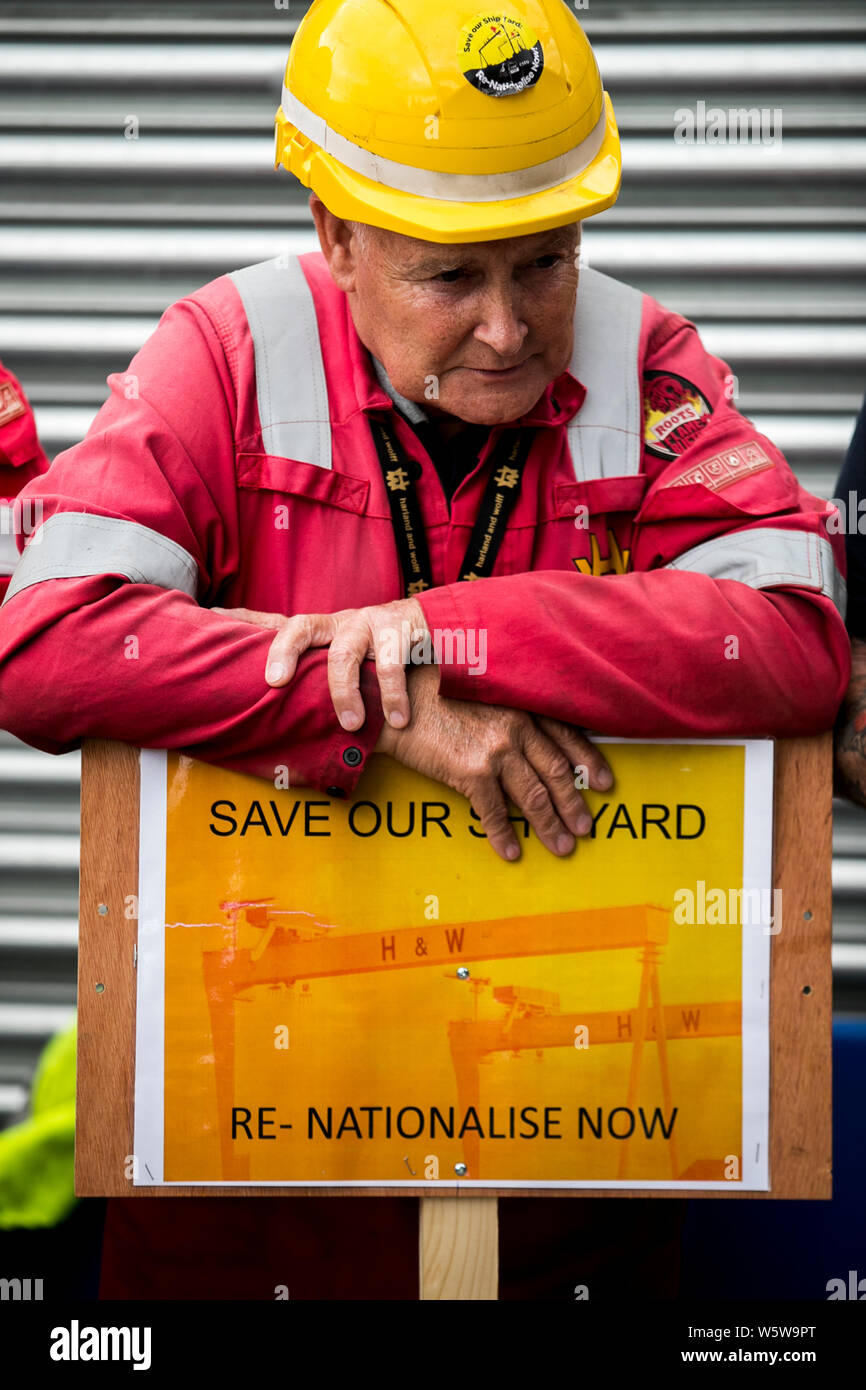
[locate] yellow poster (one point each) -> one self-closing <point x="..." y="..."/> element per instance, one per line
<point x="361" y="992"/>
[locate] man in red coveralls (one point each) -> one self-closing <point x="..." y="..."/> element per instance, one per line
<point x="438" y="424"/>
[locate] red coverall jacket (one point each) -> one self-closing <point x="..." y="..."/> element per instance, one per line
<point x="183" y="496"/>
<point x="662" y="572"/>
<point x="21" y="458"/>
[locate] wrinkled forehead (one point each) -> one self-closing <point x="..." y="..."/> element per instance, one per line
<point x="412" y="253"/>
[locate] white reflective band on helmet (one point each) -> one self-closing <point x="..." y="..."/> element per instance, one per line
<point x="70" y="545"/>
<point x="8" y="548"/>
<point x="291" y="388"/>
<point x="768" y="556"/>
<point x="431" y="183"/>
<point x="605" y="437"/>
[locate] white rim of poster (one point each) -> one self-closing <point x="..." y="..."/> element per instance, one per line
<point x="148" y="1133"/>
<point x="757" y="872"/>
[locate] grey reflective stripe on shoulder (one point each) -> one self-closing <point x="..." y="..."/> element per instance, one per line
<point x="290" y="376"/>
<point x="605" y="437"/>
<point x="767" y="556"/>
<point x="70" y="545"/>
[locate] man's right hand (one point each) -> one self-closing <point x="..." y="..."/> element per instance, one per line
<point x="492" y="755"/>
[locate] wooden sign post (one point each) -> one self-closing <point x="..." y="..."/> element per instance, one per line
<point x="458" y="1233"/>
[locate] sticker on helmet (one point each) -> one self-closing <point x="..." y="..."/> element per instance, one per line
<point x="675" y="412"/>
<point x="500" y="55"/>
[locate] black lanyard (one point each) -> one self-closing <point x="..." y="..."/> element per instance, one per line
<point x="401" y="475"/>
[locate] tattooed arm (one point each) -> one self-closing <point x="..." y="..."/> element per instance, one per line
<point x="850" y="733"/>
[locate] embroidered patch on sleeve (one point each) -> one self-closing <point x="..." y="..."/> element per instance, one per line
<point x="675" y="412"/>
<point x="11" y="404"/>
<point x="723" y="469"/>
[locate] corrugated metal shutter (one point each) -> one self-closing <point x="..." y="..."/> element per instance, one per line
<point x="136" y="163"/>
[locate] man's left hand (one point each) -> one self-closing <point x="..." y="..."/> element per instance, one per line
<point x="379" y="632"/>
<point x="850" y="732"/>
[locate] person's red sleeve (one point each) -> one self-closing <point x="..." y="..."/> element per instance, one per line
<point x="659" y="651"/>
<point x="100" y="656"/>
<point x="21" y="458"/>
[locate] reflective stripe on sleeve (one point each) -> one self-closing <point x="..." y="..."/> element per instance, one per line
<point x="768" y="556"/>
<point x="73" y="544"/>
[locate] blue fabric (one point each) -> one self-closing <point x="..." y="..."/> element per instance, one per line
<point x="790" y="1250"/>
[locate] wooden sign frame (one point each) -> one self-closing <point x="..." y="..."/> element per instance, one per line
<point x="459" y="1240"/>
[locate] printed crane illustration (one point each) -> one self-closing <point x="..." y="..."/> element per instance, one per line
<point x="296" y="947"/>
<point x="504" y="46"/>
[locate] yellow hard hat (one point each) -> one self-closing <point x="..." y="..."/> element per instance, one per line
<point x="440" y="121"/>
